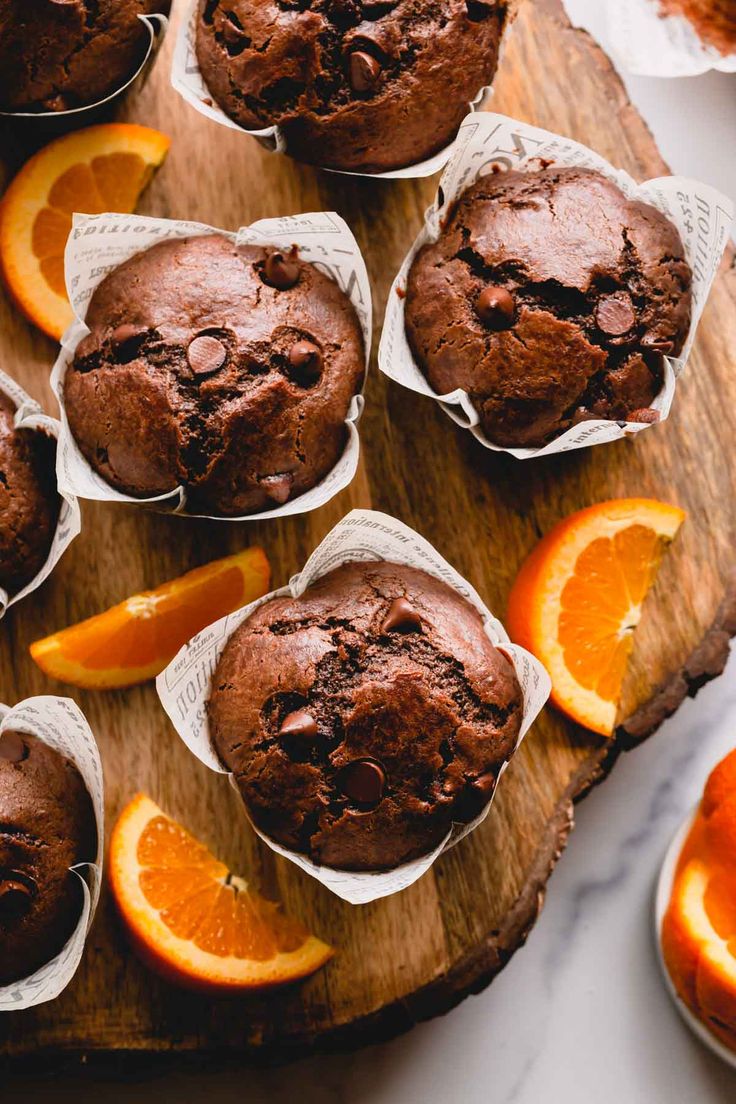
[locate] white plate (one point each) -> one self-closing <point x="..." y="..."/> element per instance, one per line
<point x="661" y="900"/>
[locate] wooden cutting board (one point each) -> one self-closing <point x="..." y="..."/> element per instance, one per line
<point x="416" y="954"/>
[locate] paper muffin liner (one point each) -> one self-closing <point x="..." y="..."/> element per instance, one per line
<point x="156" y="25"/>
<point x="184" y="686"/>
<point x="188" y="81"/>
<point x="60" y="723"/>
<point x="99" y="243"/>
<point x="491" y="143"/>
<point x="29" y="415"/>
<point x="648" y="41"/>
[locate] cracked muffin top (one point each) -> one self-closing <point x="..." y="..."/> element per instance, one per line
<point x="550" y="299"/>
<point x="364" y="718"/>
<point x="47" y="824"/>
<point x="29" y="501"/>
<point x="226" y="370"/>
<point x="60" y="54"/>
<point x="366" y="85"/>
<point x="714" y="20"/>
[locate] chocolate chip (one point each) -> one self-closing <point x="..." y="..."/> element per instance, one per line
<point x="402" y="617"/>
<point x="126" y="332"/>
<point x="483" y="786"/>
<point x="365" y="71"/>
<point x="615" y="315"/>
<point x="646" y="415"/>
<point x="278" y="486"/>
<point x="13" y="747"/>
<point x="495" y="307"/>
<point x="306" y="360"/>
<point x="206" y="354"/>
<point x="15" y="899"/>
<point x="281" y="270"/>
<point x="657" y="343"/>
<point x="299" y="724"/>
<point x="363" y="781"/>
<point x="476" y="795"/>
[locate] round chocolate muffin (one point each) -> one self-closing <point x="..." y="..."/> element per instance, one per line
<point x="364" y="718"/>
<point x="550" y="299"/>
<point x="226" y="371"/>
<point x="47" y="824"/>
<point x="360" y="85"/>
<point x="29" y="502"/>
<point x="60" y="54"/>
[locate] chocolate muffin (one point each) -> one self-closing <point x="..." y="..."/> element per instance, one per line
<point x="228" y="371"/>
<point x="364" y="718"/>
<point x="363" y="85"/>
<point x="47" y="824"/>
<point x="549" y="298"/>
<point x="29" y="502"/>
<point x="714" y="20"/>
<point x="61" y="54"/>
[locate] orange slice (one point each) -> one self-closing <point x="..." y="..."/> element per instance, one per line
<point x="103" y="168"/>
<point x="578" y="598"/>
<point x="135" y="640"/>
<point x="699" y="946"/>
<point x="192" y="921"/>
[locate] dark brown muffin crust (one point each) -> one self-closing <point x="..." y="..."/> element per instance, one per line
<point x="228" y="371"/>
<point x="60" y="54"/>
<point x="355" y="84"/>
<point x="714" y="20"/>
<point x="29" y="502"/>
<point x="550" y="299"/>
<point x="47" y="824"/>
<point x="362" y="719"/>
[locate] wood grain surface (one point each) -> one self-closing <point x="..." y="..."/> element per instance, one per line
<point x="417" y="953"/>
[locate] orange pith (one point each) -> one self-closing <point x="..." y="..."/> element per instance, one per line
<point x="102" y="168"/>
<point x="699" y="927"/>
<point x="578" y="597"/>
<point x="194" y="922"/>
<point x="134" y="641"/>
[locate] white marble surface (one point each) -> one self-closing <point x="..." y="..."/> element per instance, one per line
<point x="580" y="1014"/>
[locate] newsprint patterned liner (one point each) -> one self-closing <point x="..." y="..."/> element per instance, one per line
<point x="184" y="686"/>
<point x="651" y="43"/>
<point x="61" y="724"/>
<point x="28" y="415"/>
<point x="99" y="243"/>
<point x="189" y="83"/>
<point x="156" y="25"/>
<point x="487" y="143"/>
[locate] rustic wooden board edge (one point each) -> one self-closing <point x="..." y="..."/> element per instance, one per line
<point x="471" y="974"/>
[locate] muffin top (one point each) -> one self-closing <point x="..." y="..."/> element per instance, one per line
<point x="355" y="84"/>
<point x="47" y="824"/>
<point x="226" y="370"/>
<point x="29" y="502"/>
<point x="550" y="298"/>
<point x="363" y="718"/>
<point x="60" y="54"/>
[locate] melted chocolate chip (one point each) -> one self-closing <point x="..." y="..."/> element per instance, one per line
<point x="299" y="724"/>
<point x="615" y="315"/>
<point x="206" y="354"/>
<point x="363" y="781"/>
<point x="495" y="307"/>
<point x="280" y="270"/>
<point x="306" y="359"/>
<point x="278" y="486"/>
<point x="402" y="617"/>
<point x="364" y="70"/>
<point x="15" y="899"/>
<point x="13" y="747"/>
<point x="647" y="415"/>
<point x="656" y="343"/>
<point x="126" y="332"/>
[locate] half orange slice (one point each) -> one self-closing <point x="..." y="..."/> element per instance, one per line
<point x="103" y="168"/>
<point x="192" y="921"/>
